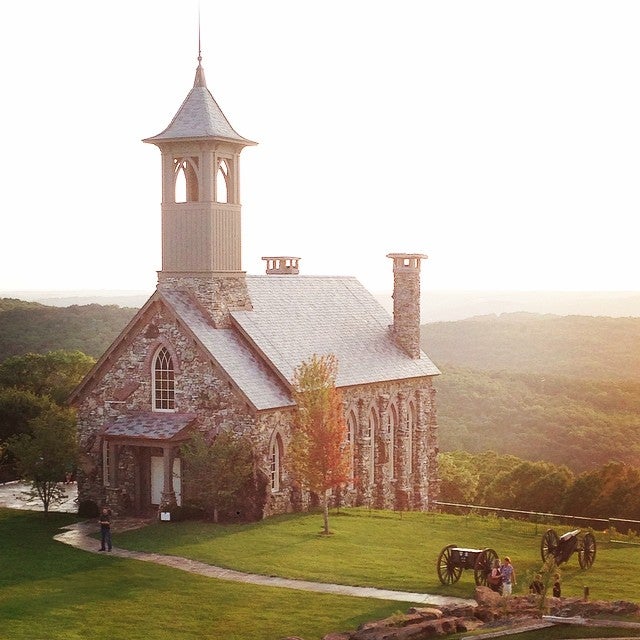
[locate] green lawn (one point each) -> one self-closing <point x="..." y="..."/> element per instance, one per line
<point x="387" y="550"/>
<point x="49" y="591"/>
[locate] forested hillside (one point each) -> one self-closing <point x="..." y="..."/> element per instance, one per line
<point x="577" y="346"/>
<point x="560" y="389"/>
<point x="31" y="327"/>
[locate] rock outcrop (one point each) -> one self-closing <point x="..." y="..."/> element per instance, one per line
<point x="420" y="623"/>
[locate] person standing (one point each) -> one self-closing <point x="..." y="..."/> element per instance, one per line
<point x="105" y="529"/>
<point x="494" y="581"/>
<point x="508" y="574"/>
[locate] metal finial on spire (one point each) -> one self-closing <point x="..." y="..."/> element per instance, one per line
<point x="200" y="79"/>
<point x="199" y="47"/>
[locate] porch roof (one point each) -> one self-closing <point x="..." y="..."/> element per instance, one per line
<point x="165" y="427"/>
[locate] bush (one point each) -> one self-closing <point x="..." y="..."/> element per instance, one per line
<point x="187" y="512"/>
<point x="88" y="509"/>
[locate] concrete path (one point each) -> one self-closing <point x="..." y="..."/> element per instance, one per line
<point x="15" y="495"/>
<point x="78" y="536"/>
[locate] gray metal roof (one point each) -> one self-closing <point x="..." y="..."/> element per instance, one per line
<point x="232" y="353"/>
<point x="296" y="316"/>
<point x="199" y="117"/>
<point x="149" y="426"/>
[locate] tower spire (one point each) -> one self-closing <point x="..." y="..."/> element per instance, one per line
<point x="200" y="80"/>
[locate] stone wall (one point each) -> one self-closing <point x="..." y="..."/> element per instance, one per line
<point x="394" y="442"/>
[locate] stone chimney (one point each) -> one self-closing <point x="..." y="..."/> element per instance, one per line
<point x="282" y="265"/>
<point x="406" y="301"/>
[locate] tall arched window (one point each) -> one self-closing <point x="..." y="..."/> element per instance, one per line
<point x="411" y="418"/>
<point x="393" y="430"/>
<point x="222" y="182"/>
<point x="163" y="381"/>
<point x="186" y="179"/>
<point x="373" y="432"/>
<point x="351" y="443"/>
<point x="275" y="456"/>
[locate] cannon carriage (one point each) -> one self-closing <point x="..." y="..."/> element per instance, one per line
<point x="454" y="559"/>
<point x="562" y="547"/>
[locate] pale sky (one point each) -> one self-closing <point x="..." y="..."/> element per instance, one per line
<point x="501" y="138"/>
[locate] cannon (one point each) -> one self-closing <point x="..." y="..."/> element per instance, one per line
<point x="453" y="559"/>
<point x="561" y="548"/>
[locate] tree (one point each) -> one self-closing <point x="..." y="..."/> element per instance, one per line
<point x="318" y="449"/>
<point x="17" y="409"/>
<point x="46" y="453"/>
<point x="220" y="472"/>
<point x="54" y="374"/>
<point x="458" y="482"/>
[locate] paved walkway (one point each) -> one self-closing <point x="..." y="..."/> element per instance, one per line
<point x="15" y="495"/>
<point x="79" y="536"/>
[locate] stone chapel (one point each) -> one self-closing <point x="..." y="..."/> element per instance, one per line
<point x="215" y="348"/>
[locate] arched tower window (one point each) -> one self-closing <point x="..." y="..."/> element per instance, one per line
<point x="222" y="181"/>
<point x="275" y="461"/>
<point x="393" y="430"/>
<point x="163" y="381"/>
<point x="186" y="179"/>
<point x="373" y="431"/>
<point x="411" y="427"/>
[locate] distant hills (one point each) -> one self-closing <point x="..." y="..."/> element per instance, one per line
<point x="599" y="348"/>
<point x="437" y="306"/>
<point x="565" y="389"/>
<point x="32" y="327"/>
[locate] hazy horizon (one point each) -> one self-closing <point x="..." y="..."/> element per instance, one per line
<point x="436" y="305"/>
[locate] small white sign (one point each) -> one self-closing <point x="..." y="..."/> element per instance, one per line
<point x="165" y="516"/>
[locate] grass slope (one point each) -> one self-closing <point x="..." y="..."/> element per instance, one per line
<point x="49" y="591"/>
<point x="386" y="550"/>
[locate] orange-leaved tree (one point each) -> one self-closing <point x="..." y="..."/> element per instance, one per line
<point x="319" y="447"/>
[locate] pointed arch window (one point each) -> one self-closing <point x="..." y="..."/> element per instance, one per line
<point x="411" y="418"/>
<point x="393" y="430"/>
<point x="373" y="431"/>
<point x="275" y="459"/>
<point x="351" y="444"/>
<point x="163" y="381"/>
<point x="186" y="179"/>
<point x="222" y="181"/>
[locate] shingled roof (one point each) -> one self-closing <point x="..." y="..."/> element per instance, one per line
<point x="294" y="317"/>
<point x="199" y="117"/>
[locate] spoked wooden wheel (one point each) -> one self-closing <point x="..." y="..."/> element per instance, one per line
<point x="483" y="566"/>
<point x="587" y="554"/>
<point x="448" y="572"/>
<point x="549" y="545"/>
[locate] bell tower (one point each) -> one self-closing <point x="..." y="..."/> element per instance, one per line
<point x="201" y="210"/>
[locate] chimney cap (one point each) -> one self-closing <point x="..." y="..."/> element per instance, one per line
<point x="407" y="256"/>
<point x="406" y="261"/>
<point x="282" y="264"/>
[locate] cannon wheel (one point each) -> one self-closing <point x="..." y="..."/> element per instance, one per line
<point x="483" y="565"/>
<point x="448" y="572"/>
<point x="549" y="545"/>
<point x="587" y="554"/>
